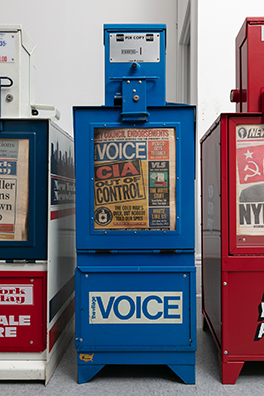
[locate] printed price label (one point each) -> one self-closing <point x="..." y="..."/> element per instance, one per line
<point x="7" y="47"/>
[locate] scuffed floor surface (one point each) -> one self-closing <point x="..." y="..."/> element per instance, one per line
<point x="145" y="380"/>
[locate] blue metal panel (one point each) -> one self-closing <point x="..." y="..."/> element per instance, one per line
<point x="132" y="110"/>
<point x="36" y="131"/>
<point x="135" y="259"/>
<point x="165" y="335"/>
<point x="182" y="363"/>
<point x="181" y="117"/>
<point x="152" y="72"/>
<point x="134" y="27"/>
<point x="146" y="329"/>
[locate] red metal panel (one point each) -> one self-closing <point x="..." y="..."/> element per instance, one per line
<point x="245" y="315"/>
<point x="249" y="65"/>
<point x="241" y="276"/>
<point x="255" y="67"/>
<point x="244" y="78"/>
<point x="232" y="184"/>
<point x="23" y="311"/>
<point x="211" y="224"/>
<point x="230" y="371"/>
<point x="224" y="309"/>
<point x="224" y="186"/>
<point x="243" y="263"/>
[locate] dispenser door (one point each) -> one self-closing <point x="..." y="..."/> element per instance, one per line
<point x="246" y="185"/>
<point x="23" y="190"/>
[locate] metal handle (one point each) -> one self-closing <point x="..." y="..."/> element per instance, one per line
<point x="6" y="85"/>
<point x="56" y="115"/>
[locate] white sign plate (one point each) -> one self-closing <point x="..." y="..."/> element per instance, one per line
<point x="7" y="47"/>
<point x="16" y="295"/>
<point x="136" y="307"/>
<point x="134" y="47"/>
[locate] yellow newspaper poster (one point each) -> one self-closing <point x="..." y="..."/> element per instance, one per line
<point x="134" y="179"/>
<point x="14" y="189"/>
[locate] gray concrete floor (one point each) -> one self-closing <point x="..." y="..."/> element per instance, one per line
<point x="145" y="380"/>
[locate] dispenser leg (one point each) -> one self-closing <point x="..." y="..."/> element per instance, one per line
<point x="185" y="371"/>
<point x="87" y="372"/>
<point x="230" y="371"/>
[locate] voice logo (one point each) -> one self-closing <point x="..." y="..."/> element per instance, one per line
<point x="135" y="307"/>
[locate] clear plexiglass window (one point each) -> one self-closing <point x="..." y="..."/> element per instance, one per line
<point x="14" y="185"/>
<point x="250" y="179"/>
<point x="134" y="179"/>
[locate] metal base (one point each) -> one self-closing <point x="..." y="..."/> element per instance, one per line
<point x="85" y="373"/>
<point x="186" y="372"/>
<point x="22" y="369"/>
<point x="230" y="371"/>
<point x="181" y="363"/>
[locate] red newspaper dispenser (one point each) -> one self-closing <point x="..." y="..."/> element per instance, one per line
<point x="232" y="163"/>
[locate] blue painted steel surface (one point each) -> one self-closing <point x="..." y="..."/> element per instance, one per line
<point x="133" y="110"/>
<point x="135" y="258"/>
<point x="36" y="131"/>
<point x="118" y="341"/>
<point x="181" y="117"/>
<point x="135" y="289"/>
<point x="139" y="328"/>
<point x="152" y="72"/>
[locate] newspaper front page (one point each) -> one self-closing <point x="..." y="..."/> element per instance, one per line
<point x="250" y="179"/>
<point x="14" y="155"/>
<point x="134" y="179"/>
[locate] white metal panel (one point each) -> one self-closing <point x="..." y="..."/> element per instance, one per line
<point x="22" y="369"/>
<point x="61" y="244"/>
<point x="54" y="357"/>
<point x="16" y="266"/>
<point x="17" y="65"/>
<point x="61" y="216"/>
<point x="127" y="47"/>
<point x="22" y="356"/>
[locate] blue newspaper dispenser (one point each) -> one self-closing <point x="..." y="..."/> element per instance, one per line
<point x="135" y="169"/>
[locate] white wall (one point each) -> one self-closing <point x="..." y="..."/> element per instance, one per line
<point x="70" y="51"/>
<point x="218" y="26"/>
<point x="217" y="30"/>
<point x="186" y="50"/>
<point x="181" y="11"/>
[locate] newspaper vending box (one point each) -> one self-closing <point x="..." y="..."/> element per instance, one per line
<point x="135" y="276"/>
<point x="37" y="224"/>
<point x="232" y="159"/>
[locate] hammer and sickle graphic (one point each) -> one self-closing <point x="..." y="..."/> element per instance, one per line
<point x="255" y="171"/>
